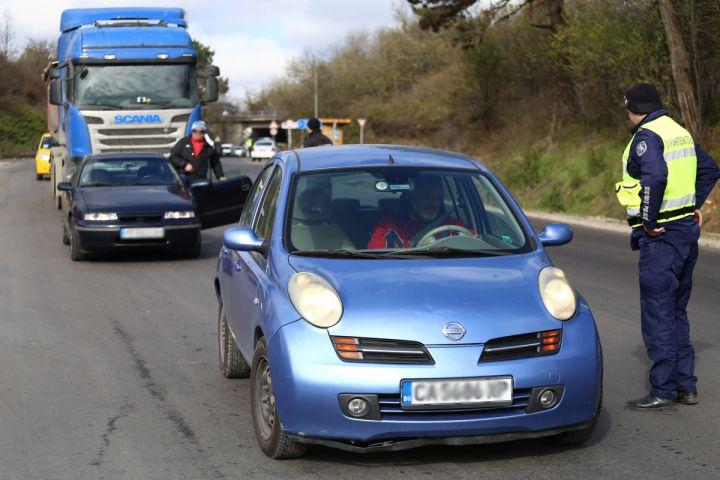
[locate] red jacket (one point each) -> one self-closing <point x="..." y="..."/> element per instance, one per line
<point x="391" y="232"/>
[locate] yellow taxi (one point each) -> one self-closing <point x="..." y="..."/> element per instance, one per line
<point x="42" y="157"/>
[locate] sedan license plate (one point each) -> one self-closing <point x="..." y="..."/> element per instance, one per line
<point x="141" y="233"/>
<point x="462" y="393"/>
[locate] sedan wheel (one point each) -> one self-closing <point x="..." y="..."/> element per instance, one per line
<point x="268" y="430"/>
<point x="232" y="363"/>
<point x="76" y="254"/>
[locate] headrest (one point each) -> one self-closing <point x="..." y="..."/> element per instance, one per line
<point x="313" y="205"/>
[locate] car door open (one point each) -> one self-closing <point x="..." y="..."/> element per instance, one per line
<point x="220" y="203"/>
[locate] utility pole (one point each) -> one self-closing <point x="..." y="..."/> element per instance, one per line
<point x="316" y="87"/>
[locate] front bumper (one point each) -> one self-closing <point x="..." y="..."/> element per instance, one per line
<point x="308" y="378"/>
<point x="106" y="238"/>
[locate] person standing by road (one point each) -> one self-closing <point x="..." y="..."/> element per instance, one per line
<point x="193" y="155"/>
<point x="315" y="137"/>
<point x="666" y="178"/>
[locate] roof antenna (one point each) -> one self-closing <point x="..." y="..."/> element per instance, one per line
<point x="391" y="160"/>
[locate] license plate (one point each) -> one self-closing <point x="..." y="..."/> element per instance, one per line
<point x="466" y="392"/>
<point x="141" y="233"/>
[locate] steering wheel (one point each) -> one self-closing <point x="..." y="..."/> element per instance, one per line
<point x="429" y="237"/>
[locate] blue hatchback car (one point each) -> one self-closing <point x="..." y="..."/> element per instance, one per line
<point x="387" y="297"/>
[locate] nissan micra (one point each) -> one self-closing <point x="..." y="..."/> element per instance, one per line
<point x="387" y="297"/>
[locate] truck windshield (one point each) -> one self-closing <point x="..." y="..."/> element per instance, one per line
<point x="133" y="87"/>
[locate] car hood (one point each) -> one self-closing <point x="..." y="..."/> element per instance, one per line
<point x="136" y="198"/>
<point x="413" y="300"/>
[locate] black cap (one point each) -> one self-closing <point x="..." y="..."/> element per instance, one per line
<point x="313" y="124"/>
<point x="643" y="98"/>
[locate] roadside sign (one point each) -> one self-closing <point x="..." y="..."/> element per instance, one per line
<point x="361" y="121"/>
<point x="301" y="123"/>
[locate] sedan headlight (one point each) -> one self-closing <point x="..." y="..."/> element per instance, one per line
<point x="557" y="294"/>
<point x="179" y="215"/>
<point x="100" y="217"/>
<point x="315" y="299"/>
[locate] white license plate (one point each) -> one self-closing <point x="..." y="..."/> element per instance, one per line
<point x="466" y="392"/>
<point x="141" y="233"/>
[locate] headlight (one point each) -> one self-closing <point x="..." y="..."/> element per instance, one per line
<point x="315" y="299"/>
<point x="100" y="217"/>
<point x="179" y="215"/>
<point x="44" y="156"/>
<point x="557" y="294"/>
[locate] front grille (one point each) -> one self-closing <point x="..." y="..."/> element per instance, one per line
<point x="112" y="132"/>
<point x="149" y="218"/>
<point x="522" y="346"/>
<point x="114" y="142"/>
<point x="375" y="350"/>
<point x="390" y="408"/>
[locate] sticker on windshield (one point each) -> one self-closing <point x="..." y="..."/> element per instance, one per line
<point x="381" y="186"/>
<point x="399" y="186"/>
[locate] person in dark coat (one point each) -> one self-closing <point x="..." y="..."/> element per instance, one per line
<point x="193" y="155"/>
<point x="315" y="137"/>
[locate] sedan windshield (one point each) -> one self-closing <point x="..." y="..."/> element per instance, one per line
<point x="124" y="172"/>
<point x="391" y="212"/>
<point x="133" y="87"/>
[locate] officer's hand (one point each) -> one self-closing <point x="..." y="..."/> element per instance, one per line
<point x="189" y="168"/>
<point x="655" y="232"/>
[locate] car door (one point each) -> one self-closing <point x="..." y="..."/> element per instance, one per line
<point x="229" y="258"/>
<point x="251" y="267"/>
<point x="221" y="203"/>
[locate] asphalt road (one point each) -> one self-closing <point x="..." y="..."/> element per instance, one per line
<point x="108" y="370"/>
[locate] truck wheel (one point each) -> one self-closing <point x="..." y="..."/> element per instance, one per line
<point x="270" y="435"/>
<point x="76" y="254"/>
<point x="232" y="362"/>
<point x="65" y="237"/>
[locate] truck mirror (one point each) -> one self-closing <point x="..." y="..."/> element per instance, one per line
<point x="55" y="92"/>
<point x="213" y="71"/>
<point x="54" y="73"/>
<point x="212" y="90"/>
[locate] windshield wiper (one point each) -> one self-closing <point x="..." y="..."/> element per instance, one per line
<point x="448" y="252"/>
<point x="104" y="106"/>
<point x="339" y="254"/>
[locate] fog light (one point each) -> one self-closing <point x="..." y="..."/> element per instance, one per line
<point x="547" y="398"/>
<point x="358" y="407"/>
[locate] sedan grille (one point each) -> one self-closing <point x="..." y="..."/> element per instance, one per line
<point x="522" y="346"/>
<point x="374" y="350"/>
<point x="135" y="218"/>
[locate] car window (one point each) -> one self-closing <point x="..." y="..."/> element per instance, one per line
<point x="128" y="171"/>
<point x="49" y="143"/>
<point x="396" y="208"/>
<point x="266" y="211"/>
<point x="254" y="196"/>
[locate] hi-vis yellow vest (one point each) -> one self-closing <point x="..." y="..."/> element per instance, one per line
<point x="679" y="154"/>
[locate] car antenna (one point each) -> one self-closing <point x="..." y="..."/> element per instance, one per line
<point x="391" y="160"/>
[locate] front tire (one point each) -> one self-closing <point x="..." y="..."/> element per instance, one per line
<point x="581" y="435"/>
<point x="232" y="362"/>
<point x="269" y="432"/>
<point x="76" y="254"/>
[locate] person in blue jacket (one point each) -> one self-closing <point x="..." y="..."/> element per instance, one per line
<point x="674" y="177"/>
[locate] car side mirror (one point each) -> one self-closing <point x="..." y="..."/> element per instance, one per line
<point x="243" y="239"/>
<point x="65" y="186"/>
<point x="556" y="234"/>
<point x="55" y="92"/>
<point x="54" y="73"/>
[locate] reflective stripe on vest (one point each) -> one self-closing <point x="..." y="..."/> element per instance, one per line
<point x="679" y="154"/>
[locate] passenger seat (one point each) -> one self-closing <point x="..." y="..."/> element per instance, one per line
<point x="312" y="226"/>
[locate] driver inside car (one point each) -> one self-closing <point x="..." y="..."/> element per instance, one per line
<point x="426" y="213"/>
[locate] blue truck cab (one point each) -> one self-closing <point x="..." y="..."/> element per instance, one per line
<point x="125" y="80"/>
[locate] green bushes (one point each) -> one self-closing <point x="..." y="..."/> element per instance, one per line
<point x="20" y="130"/>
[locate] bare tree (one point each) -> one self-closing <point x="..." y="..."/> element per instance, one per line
<point x="680" y="61"/>
<point x="7" y="36"/>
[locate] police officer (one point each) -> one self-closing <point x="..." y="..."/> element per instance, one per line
<point x="315" y="137"/>
<point x="193" y="155"/>
<point x="666" y="178"/>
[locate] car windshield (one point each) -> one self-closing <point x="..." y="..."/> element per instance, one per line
<point x="118" y="87"/>
<point x="391" y="212"/>
<point x="125" y="172"/>
<point x="49" y="142"/>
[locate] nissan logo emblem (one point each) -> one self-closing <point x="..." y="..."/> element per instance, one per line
<point x="453" y="331"/>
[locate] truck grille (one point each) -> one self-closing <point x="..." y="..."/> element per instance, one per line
<point x="522" y="346"/>
<point x="375" y="350"/>
<point x="390" y="408"/>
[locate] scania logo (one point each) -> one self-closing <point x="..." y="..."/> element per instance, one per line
<point x="138" y="119"/>
<point x="453" y="331"/>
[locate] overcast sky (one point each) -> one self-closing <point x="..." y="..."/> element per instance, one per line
<point x="252" y="39"/>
